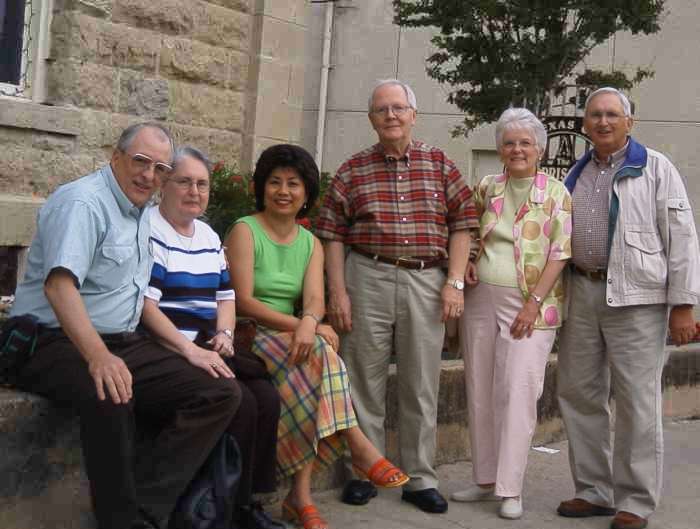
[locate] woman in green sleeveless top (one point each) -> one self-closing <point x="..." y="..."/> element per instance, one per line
<point x="276" y="265"/>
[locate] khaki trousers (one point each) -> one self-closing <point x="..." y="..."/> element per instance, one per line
<point x="618" y="348"/>
<point x="397" y="309"/>
<point x="504" y="379"/>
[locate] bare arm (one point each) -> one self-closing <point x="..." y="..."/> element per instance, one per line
<point x="167" y="334"/>
<point x="107" y="370"/>
<point x="225" y="319"/>
<point x="453" y="299"/>
<point x="339" y="307"/>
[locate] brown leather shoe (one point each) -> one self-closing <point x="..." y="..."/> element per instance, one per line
<point x="579" y="508"/>
<point x="628" y="520"/>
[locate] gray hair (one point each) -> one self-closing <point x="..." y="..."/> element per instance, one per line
<point x="186" y="151"/>
<point x="521" y="118"/>
<point x="626" y="107"/>
<point x="410" y="96"/>
<point x="129" y="133"/>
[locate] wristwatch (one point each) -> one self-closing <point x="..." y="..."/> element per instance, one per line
<point x="227" y="332"/>
<point x="538" y="299"/>
<point x="456" y="283"/>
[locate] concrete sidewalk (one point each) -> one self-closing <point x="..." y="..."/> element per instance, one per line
<point x="547" y="483"/>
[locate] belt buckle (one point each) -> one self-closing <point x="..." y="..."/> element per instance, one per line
<point x="410" y="260"/>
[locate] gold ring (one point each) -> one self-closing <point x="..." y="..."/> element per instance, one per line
<point x="214" y="365"/>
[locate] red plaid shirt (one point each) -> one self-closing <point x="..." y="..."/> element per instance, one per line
<point x="397" y="207"/>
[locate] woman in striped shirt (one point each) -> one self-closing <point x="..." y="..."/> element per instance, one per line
<point x="190" y="308"/>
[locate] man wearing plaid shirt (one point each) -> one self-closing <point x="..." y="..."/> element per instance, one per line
<point x="395" y="217"/>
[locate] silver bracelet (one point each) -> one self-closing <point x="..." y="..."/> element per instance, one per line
<point x="312" y="315"/>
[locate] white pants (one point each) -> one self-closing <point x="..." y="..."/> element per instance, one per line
<point x="504" y="379"/>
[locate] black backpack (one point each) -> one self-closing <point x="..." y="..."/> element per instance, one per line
<point x="18" y="337"/>
<point x="208" y="501"/>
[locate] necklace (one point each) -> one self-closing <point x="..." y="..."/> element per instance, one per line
<point x="185" y="241"/>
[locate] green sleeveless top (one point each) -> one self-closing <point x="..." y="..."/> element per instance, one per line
<point x="278" y="269"/>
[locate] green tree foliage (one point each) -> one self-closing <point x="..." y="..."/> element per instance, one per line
<point x="496" y="53"/>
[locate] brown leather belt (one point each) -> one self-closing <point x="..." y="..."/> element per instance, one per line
<point x="593" y="275"/>
<point x="412" y="263"/>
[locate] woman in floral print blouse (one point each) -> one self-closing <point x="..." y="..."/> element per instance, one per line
<point x="513" y="306"/>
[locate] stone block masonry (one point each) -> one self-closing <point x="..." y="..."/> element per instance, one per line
<point x="113" y="63"/>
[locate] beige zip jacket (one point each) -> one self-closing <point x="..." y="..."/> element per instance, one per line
<point x="654" y="252"/>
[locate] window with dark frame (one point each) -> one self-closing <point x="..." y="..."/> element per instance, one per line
<point x="11" y="40"/>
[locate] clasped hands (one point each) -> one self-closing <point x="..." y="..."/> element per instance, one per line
<point x="304" y="338"/>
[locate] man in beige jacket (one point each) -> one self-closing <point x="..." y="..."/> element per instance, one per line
<point x="636" y="275"/>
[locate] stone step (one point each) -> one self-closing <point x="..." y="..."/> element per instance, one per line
<point x="42" y="485"/>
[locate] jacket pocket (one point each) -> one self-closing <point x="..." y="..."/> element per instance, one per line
<point x="645" y="260"/>
<point x="680" y="216"/>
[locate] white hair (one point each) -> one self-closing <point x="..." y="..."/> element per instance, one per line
<point x="410" y="96"/>
<point x="187" y="151"/>
<point x="626" y="107"/>
<point x="521" y="118"/>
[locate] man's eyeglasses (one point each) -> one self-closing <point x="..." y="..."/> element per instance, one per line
<point x="610" y="117"/>
<point x="141" y="162"/>
<point x="186" y="183"/>
<point x="397" y="110"/>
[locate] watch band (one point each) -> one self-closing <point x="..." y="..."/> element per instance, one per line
<point x="538" y="299"/>
<point x="227" y="332"/>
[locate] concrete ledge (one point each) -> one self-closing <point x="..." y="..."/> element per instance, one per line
<point x="25" y="114"/>
<point x="42" y="485"/>
<point x="18" y="219"/>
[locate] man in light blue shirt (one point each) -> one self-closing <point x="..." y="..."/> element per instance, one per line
<point x="88" y="268"/>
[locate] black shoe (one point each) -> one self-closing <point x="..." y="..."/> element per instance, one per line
<point x="358" y="492"/>
<point x="428" y="500"/>
<point x="254" y="517"/>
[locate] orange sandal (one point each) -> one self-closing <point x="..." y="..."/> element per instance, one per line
<point x="383" y="474"/>
<point x="308" y="516"/>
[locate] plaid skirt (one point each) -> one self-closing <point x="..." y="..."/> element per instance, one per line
<point x="315" y="401"/>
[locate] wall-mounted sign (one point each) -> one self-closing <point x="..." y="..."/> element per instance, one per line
<point x="566" y="143"/>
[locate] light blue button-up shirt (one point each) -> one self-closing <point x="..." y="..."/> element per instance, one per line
<point x="92" y="229"/>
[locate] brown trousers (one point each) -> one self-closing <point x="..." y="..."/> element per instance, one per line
<point x="187" y="408"/>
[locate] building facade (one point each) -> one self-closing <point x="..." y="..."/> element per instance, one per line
<point x="234" y="76"/>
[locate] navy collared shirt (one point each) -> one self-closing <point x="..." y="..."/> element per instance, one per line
<point x="92" y="229"/>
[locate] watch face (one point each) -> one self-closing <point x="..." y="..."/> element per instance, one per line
<point x="456" y="283"/>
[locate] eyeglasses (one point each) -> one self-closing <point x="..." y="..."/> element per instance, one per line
<point x="141" y="162"/>
<point x="610" y="117"/>
<point x="397" y="110"/>
<point x="186" y="183"/>
<point x="524" y="144"/>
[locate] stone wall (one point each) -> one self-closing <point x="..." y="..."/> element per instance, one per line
<point x="112" y="63"/>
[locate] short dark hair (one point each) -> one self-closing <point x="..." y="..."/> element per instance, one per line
<point x="292" y="157"/>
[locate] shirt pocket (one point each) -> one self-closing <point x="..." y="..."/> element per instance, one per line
<point x="433" y="196"/>
<point x="114" y="266"/>
<point x="645" y="260"/>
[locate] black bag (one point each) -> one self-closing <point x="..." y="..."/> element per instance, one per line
<point x="17" y="342"/>
<point x="245" y="363"/>
<point x="208" y="501"/>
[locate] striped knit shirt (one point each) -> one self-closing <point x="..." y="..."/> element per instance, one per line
<point x="397" y="207"/>
<point x="189" y="275"/>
